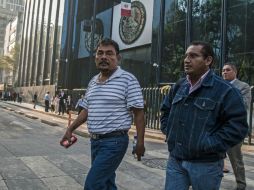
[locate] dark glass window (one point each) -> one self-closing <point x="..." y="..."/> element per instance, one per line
<point x="173" y="40"/>
<point x="206" y="20"/>
<point x="137" y="62"/>
<point x="240" y="38"/>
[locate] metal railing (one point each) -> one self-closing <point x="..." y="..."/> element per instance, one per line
<point x="153" y="98"/>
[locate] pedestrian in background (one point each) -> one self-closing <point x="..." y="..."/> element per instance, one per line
<point x="112" y="97"/>
<point x="69" y="104"/>
<point x="79" y="102"/>
<point x="20" y="96"/>
<point x="203" y="116"/>
<point x="62" y="102"/>
<point x="35" y="97"/>
<point x="47" y="100"/>
<point x="52" y="104"/>
<point x="14" y="96"/>
<point x="229" y="73"/>
<point x="56" y="102"/>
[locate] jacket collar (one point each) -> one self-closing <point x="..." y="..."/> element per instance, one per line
<point x="209" y="79"/>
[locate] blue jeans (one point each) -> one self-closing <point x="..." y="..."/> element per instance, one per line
<point x="180" y="175"/>
<point x="106" y="155"/>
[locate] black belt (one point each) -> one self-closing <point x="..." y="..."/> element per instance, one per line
<point x="95" y="136"/>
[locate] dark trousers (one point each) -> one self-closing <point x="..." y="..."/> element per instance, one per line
<point x="46" y="105"/>
<point x="236" y="160"/>
<point x="61" y="108"/>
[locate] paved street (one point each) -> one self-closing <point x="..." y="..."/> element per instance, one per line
<point x="31" y="157"/>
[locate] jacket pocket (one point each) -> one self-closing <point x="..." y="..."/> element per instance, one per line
<point x="204" y="106"/>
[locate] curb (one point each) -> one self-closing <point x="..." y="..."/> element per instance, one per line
<point x="31" y="116"/>
<point x="49" y="122"/>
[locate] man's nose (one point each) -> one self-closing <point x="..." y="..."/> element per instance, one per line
<point x="186" y="59"/>
<point x="103" y="56"/>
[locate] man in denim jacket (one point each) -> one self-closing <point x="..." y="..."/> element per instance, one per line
<point x="202" y="117"/>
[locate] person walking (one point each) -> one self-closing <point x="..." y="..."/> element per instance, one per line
<point x="14" y="96"/>
<point x="62" y="102"/>
<point x="202" y="117"/>
<point x="47" y="100"/>
<point x="79" y="102"/>
<point x="56" y="102"/>
<point x="52" y="104"/>
<point x="112" y="98"/>
<point x="229" y="73"/>
<point x="69" y="104"/>
<point x="35" y="97"/>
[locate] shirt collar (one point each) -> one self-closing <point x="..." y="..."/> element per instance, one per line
<point x="200" y="79"/>
<point x="118" y="72"/>
<point x="198" y="83"/>
<point x="232" y="81"/>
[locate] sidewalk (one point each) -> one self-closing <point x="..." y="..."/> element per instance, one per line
<point x="154" y="135"/>
<point x="83" y="131"/>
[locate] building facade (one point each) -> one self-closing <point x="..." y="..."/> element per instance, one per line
<point x="40" y="44"/>
<point x="9" y="9"/>
<point x="152" y="41"/>
<point x="12" y="48"/>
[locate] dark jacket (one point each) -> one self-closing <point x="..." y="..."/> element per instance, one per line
<point x="62" y="99"/>
<point x="202" y="125"/>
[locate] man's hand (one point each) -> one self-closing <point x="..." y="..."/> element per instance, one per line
<point x="75" y="124"/>
<point x="67" y="136"/>
<point x="140" y="150"/>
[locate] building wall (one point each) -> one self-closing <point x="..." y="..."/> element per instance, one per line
<point x="226" y="25"/>
<point x="40" y="44"/>
<point x="79" y="49"/>
<point x="28" y="92"/>
<point x="156" y="60"/>
<point x="12" y="46"/>
<point x="8" y="10"/>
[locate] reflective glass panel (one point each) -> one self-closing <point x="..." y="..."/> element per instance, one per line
<point x="173" y="40"/>
<point x="206" y="18"/>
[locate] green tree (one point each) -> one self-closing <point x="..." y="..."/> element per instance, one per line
<point x="6" y="62"/>
<point x="10" y="62"/>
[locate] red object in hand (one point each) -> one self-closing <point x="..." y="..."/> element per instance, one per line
<point x="66" y="143"/>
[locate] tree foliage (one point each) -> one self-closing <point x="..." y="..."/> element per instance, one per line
<point x="206" y="26"/>
<point x="6" y="62"/>
<point x="10" y="62"/>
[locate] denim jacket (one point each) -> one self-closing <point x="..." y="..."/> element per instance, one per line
<point x="202" y="125"/>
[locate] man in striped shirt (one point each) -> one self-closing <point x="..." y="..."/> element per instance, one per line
<point x="112" y="98"/>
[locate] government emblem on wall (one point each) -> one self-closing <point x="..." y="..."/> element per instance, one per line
<point x="98" y="35"/>
<point x="130" y="28"/>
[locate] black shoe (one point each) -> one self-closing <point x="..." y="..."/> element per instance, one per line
<point x="225" y="170"/>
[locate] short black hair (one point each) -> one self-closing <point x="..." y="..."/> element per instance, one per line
<point x="108" y="41"/>
<point x="207" y="49"/>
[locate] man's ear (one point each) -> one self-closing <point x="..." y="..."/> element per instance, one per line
<point x="119" y="57"/>
<point x="209" y="61"/>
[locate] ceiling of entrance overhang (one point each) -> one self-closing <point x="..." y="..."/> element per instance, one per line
<point x="85" y="7"/>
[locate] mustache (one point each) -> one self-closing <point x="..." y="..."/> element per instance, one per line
<point x="103" y="62"/>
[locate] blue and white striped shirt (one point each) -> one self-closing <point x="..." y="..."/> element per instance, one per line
<point x="109" y="103"/>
